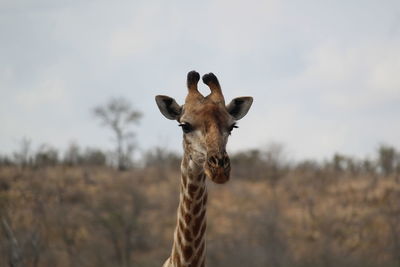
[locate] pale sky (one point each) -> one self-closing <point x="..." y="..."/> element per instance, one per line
<point x="325" y="75"/>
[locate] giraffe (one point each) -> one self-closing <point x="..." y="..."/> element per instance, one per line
<point x="206" y="124"/>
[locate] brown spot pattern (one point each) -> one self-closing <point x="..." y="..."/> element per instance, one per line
<point x="198" y="223"/>
<point x="187" y="235"/>
<point x="188" y="218"/>
<point x="187" y="252"/>
<point x="196" y="227"/>
<point x="201" y="250"/>
<point x="190" y="227"/>
<point x="195" y="260"/>
<point x="205" y="200"/>
<point x="201" y="192"/>
<point x="198" y="240"/>
<point x="197" y="207"/>
<point x="190" y="244"/>
<point x="192" y="189"/>
<point x="201" y="177"/>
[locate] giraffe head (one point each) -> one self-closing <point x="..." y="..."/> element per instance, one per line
<point x="206" y="123"/>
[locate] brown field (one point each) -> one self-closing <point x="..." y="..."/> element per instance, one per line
<point x="304" y="214"/>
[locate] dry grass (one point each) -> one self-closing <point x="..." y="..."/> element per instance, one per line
<point x="76" y="216"/>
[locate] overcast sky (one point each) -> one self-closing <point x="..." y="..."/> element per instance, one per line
<point x="325" y="75"/>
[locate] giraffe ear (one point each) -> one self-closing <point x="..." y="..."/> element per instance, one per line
<point x="168" y="107"/>
<point x="239" y="106"/>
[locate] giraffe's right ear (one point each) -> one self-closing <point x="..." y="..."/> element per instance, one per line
<point x="168" y="107"/>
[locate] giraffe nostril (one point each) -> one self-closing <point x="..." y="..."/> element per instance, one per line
<point x="218" y="160"/>
<point x="227" y="162"/>
<point x="213" y="160"/>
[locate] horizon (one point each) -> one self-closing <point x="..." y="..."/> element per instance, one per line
<point x="279" y="151"/>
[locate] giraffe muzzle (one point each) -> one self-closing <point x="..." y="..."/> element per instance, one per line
<point x="218" y="167"/>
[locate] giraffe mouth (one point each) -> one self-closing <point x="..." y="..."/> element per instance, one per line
<point x="218" y="167"/>
<point x="220" y="180"/>
<point x="218" y="175"/>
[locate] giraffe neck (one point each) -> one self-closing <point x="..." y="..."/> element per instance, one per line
<point x="189" y="236"/>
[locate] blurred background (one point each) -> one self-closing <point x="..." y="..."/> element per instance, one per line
<point x="89" y="168"/>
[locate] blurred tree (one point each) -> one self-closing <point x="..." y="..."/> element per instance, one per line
<point x="386" y="159"/>
<point x="15" y="258"/>
<point x="368" y="166"/>
<point x="307" y="165"/>
<point x="339" y="162"/>
<point x="94" y="157"/>
<point x="248" y="164"/>
<point x="161" y="157"/>
<point x="72" y="155"/>
<point x="46" y="156"/>
<point x="23" y="156"/>
<point x="116" y="218"/>
<point x="118" y="114"/>
<point x="5" y="161"/>
<point x="276" y="162"/>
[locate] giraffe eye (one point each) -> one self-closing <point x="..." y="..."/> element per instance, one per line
<point x="186" y="127"/>
<point x="231" y="127"/>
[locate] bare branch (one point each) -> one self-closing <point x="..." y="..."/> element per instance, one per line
<point x="119" y="115"/>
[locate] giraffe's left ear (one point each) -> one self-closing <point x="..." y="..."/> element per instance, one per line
<point x="168" y="107"/>
<point x="239" y="106"/>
